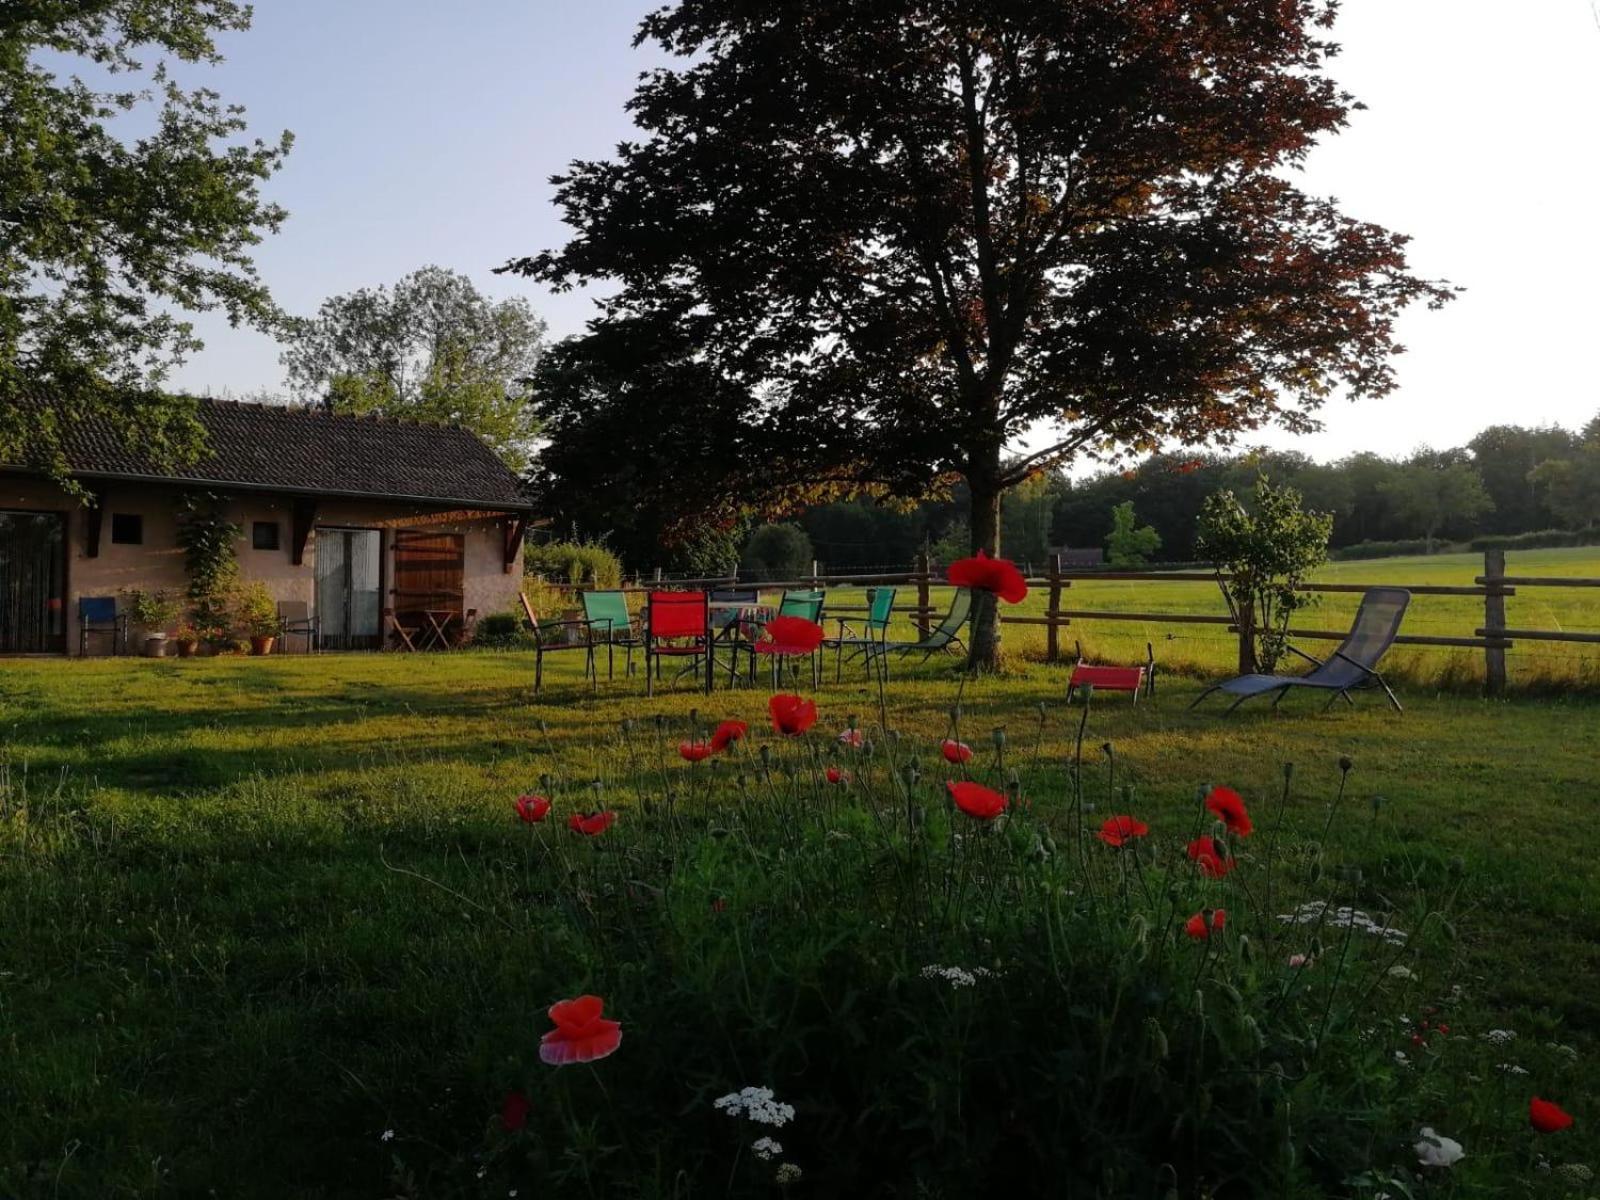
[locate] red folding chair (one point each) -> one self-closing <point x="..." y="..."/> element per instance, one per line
<point x="677" y="625"/>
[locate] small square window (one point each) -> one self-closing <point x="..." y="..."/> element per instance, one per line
<point x="127" y="529"/>
<point x="264" y="535"/>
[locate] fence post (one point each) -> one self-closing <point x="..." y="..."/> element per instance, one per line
<point x="816" y="572"/>
<point x="924" y="595"/>
<point x="658" y="577"/>
<point x="1494" y="617"/>
<point x="1052" y="636"/>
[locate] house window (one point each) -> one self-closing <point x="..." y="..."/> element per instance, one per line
<point x="127" y="529"/>
<point x="264" y="535"/>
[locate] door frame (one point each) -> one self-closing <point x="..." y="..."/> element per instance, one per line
<point x="64" y="520"/>
<point x="383" y="573"/>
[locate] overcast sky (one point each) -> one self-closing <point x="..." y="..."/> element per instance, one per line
<point x="426" y="133"/>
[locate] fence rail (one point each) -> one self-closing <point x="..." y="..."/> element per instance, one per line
<point x="1494" y="637"/>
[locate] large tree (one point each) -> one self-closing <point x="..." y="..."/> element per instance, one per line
<point x="432" y="347"/>
<point x="901" y="234"/>
<point x="126" y="201"/>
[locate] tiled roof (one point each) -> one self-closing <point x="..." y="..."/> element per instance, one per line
<point x="309" y="450"/>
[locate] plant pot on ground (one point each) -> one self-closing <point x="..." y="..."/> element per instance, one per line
<point x="151" y="612"/>
<point x="257" y="615"/>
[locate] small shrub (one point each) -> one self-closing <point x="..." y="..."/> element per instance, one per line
<point x="255" y="613"/>
<point x="1538" y="539"/>
<point x="501" y="631"/>
<point x="151" y="611"/>
<point x="1404" y="548"/>
<point x="574" y="563"/>
<point x="1129" y="545"/>
<point x="776" y="552"/>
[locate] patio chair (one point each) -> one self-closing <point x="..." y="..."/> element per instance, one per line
<point x="1352" y="666"/>
<point x="551" y="637"/>
<point x="807" y="604"/>
<point x="869" y="643"/>
<point x="402" y="628"/>
<point x="463" y="633"/>
<point x="677" y="625"/>
<point x="943" y="638"/>
<point x="98" y="614"/>
<point x="295" y="619"/>
<point x="725" y="621"/>
<point x="611" y="625"/>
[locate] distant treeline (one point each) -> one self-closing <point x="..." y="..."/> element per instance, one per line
<point x="1532" y="485"/>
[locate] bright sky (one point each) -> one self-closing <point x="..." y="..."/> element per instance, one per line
<point x="426" y="133"/>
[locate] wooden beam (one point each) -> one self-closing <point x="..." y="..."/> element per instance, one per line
<point x="94" y="516"/>
<point x="516" y="529"/>
<point x="305" y="516"/>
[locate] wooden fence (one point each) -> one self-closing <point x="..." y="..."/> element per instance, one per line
<point x="1494" y="637"/>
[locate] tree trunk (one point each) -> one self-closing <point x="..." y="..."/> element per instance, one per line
<point x="983" y="650"/>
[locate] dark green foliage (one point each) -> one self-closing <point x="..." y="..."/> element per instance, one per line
<point x="501" y="631"/>
<point x="110" y="235"/>
<point x="573" y="562"/>
<point x="781" y="551"/>
<point x="1539" y="538"/>
<point x="1129" y="545"/>
<point x="207" y="539"/>
<point x="1365" y="550"/>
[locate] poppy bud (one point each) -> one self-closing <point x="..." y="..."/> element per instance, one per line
<point x="1086" y="690"/>
<point x="1157" y="1037"/>
<point x="866" y="747"/>
<point x="544" y="782"/>
<point x="1221" y="845"/>
<point x="1346" y="763"/>
<point x="1247" y="950"/>
<point x="542" y="728"/>
<point x="1042" y="710"/>
<point x="694" y="718"/>
<point x="1049" y="844"/>
<point x="1254" y="1029"/>
<point x="1288" y="771"/>
<point x="1314" y="873"/>
<point x="1457" y="865"/>
<point x="1231" y="992"/>
<point x="1106" y="749"/>
<point x="999" y="736"/>
<point x="955" y="712"/>
<point x="1013" y="785"/>
<point x="766" y="755"/>
<point x="649" y="806"/>
<point x="1377" y="803"/>
<point x="850" y="721"/>
<point x="661" y="720"/>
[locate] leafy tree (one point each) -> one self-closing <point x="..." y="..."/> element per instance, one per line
<point x="781" y="551"/>
<point x="1432" y="490"/>
<point x="1025" y="517"/>
<point x="899" y="235"/>
<point x="1267" y="549"/>
<point x="432" y="348"/>
<point x="1570" y="485"/>
<point x="1505" y="457"/>
<point x="122" y="207"/>
<point x="1126" y="545"/>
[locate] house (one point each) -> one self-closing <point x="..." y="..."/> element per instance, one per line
<point x="350" y="516"/>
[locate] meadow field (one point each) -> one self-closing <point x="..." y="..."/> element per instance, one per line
<point x="265" y="932"/>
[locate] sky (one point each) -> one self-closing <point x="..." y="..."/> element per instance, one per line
<point x="427" y="133"/>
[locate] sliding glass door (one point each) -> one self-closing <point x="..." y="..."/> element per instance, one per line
<point x="349" y="588"/>
<point x="32" y="583"/>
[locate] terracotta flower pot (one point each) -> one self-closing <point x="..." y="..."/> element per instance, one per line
<point x="188" y="647"/>
<point x="262" y="644"/>
<point x="155" y="645"/>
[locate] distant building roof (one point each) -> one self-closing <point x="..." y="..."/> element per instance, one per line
<point x="309" y="450"/>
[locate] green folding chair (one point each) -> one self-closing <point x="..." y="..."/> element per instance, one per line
<point x="611" y="625"/>
<point x="869" y="643"/>
<point x="943" y="638"/>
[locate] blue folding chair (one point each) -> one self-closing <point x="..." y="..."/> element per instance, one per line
<point x="99" y="615"/>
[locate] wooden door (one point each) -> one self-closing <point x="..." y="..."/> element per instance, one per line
<point x="429" y="571"/>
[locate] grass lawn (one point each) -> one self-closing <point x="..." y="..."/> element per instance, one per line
<point x="255" y="911"/>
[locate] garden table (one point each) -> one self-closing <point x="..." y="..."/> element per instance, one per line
<point x="438" y="632"/>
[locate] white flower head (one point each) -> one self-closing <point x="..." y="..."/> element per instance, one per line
<point x="1436" y="1150"/>
<point x="1299" y="960"/>
<point x="758" y="1104"/>
<point x="1513" y="1069"/>
<point x="1499" y="1037"/>
<point x="1400" y="1057"/>
<point x="1401" y="971"/>
<point x="766" y="1148"/>
<point x="788" y="1173"/>
<point x="386" y="1136"/>
<point x="956" y="977"/>
<point x="1343" y="918"/>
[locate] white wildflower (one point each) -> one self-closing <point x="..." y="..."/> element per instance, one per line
<point x="956" y="977"/>
<point x="1400" y="1057"/>
<point x="1575" y="1173"/>
<point x="1513" y="1069"/>
<point x="386" y="1136"/>
<point x="788" y="1173"/>
<point x="766" y="1148"/>
<point x="1566" y="1051"/>
<point x="1342" y="918"/>
<point x="1300" y="960"/>
<point x="758" y="1104"/>
<point x="1401" y="971"/>
<point x="1436" y="1150"/>
<point x="1499" y="1037"/>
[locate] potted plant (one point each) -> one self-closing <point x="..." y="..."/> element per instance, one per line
<point x="187" y="639"/>
<point x="257" y="614"/>
<point x="152" y="612"/>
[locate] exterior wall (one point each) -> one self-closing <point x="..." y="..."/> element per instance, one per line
<point x="158" y="562"/>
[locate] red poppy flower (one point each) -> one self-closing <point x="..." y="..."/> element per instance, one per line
<point x="955" y="752"/>
<point x="581" y="1034"/>
<point x="1547" y="1116"/>
<point x="984" y="574"/>
<point x="695" y="751"/>
<point x="853" y="738"/>
<point x="514" y="1111"/>
<point x="533" y="809"/>
<point x="1210" y="858"/>
<point x="1228" y="807"/>
<point x="719" y="905"/>
<point x="1119" y="831"/>
<point x="792" y="715"/>
<point x="977" y="801"/>
<point x="591" y="824"/>
<point x="727" y="734"/>
<point x="789" y="635"/>
<point x="836" y="775"/>
<point x="1197" y="928"/>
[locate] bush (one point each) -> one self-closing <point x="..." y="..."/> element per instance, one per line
<point x="776" y="552"/>
<point x="574" y="563"/>
<point x="1396" y="549"/>
<point x="501" y="631"/>
<point x="1538" y="539"/>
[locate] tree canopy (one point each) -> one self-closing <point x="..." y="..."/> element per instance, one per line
<point x="883" y="241"/>
<point x="107" y="238"/>
<point x="433" y="348"/>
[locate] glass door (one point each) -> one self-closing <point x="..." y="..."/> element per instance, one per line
<point x="349" y="574"/>
<point x="32" y="578"/>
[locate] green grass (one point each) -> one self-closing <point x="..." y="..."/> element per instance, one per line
<point x="244" y="900"/>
